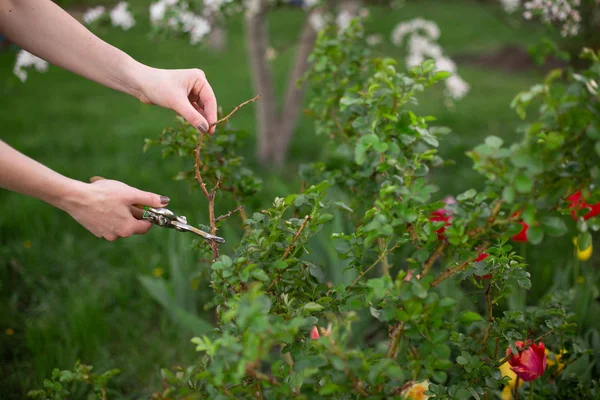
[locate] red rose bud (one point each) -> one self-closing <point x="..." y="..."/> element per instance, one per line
<point x="521" y="236"/>
<point x="314" y="333"/>
<point x="441" y="215"/>
<point x="481" y="257"/>
<point x="577" y="203"/>
<point x="529" y="364"/>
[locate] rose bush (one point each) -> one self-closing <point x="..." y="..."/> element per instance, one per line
<point x="412" y="317"/>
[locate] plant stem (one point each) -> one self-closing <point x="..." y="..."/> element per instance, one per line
<point x="288" y="250"/>
<point x="252" y="100"/>
<point x="384" y="254"/>
<point x="222" y="217"/>
<point x="433" y="257"/>
<point x="488" y="299"/>
<point x="516" y="396"/>
<point x="460" y="267"/>
<point x="395" y="340"/>
<point x="209" y="196"/>
<point x="531" y="390"/>
<point x="385" y="265"/>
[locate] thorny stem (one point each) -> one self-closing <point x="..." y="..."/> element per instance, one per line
<point x="385" y="265"/>
<point x="224" y="216"/>
<point x="384" y="254"/>
<point x="516" y="395"/>
<point x="449" y="272"/>
<point x="488" y="299"/>
<point x="288" y="249"/>
<point x="395" y="340"/>
<point x="235" y="110"/>
<point x="433" y="257"/>
<point x="211" y="196"/>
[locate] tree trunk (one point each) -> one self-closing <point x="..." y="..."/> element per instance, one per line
<point x="262" y="77"/>
<point x="294" y="94"/>
<point x="217" y="38"/>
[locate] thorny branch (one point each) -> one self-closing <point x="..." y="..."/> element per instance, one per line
<point x="288" y="250"/>
<point x="225" y="118"/>
<point x="210" y="196"/>
<point x="451" y="271"/>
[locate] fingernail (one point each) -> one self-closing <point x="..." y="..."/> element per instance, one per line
<point x="164" y="200"/>
<point x="203" y="127"/>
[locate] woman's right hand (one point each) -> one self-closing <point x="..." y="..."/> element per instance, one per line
<point x="105" y="208"/>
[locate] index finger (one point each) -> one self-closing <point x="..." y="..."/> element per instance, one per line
<point x="208" y="102"/>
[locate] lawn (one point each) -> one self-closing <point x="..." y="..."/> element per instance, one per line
<point x="67" y="295"/>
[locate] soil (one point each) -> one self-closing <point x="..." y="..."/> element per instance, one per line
<point x="509" y="59"/>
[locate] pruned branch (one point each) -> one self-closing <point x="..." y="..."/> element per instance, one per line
<point x="225" y="118"/>
<point x="224" y="216"/>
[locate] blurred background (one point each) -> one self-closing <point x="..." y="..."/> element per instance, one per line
<point x="66" y="295"/>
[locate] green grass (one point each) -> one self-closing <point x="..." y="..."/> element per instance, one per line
<point x="72" y="296"/>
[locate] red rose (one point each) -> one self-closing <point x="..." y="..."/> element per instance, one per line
<point x="529" y="364"/>
<point x="521" y="236"/>
<point x="314" y="333"/>
<point x="577" y="203"/>
<point x="441" y="215"/>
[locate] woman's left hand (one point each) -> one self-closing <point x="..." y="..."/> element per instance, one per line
<point x="185" y="91"/>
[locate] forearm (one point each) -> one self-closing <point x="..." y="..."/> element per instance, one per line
<point x="44" y="29"/>
<point x="21" y="174"/>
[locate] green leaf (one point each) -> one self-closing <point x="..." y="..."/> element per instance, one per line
<point x="312" y="307"/>
<point x="494" y="142"/>
<point x="508" y="194"/>
<point x="535" y="234"/>
<point x="259" y="274"/>
<point x="469" y="317"/>
<point x="523" y="184"/>
<point x="554" y="226"/>
<point x="462" y="360"/>
<point x="440" y="75"/>
<point x="469" y="194"/>
<point x="584" y="241"/>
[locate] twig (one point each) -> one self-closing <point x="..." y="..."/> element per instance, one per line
<point x="395" y="340"/>
<point x="433" y="257"/>
<point x="224" y="216"/>
<point x="488" y="299"/>
<point x="209" y="196"/>
<point x="252" y="100"/>
<point x="288" y="250"/>
<point x="449" y="272"/>
<point x="385" y="265"/>
<point x="384" y="254"/>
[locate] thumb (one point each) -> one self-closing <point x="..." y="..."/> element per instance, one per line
<point x="193" y="116"/>
<point x="148" y="199"/>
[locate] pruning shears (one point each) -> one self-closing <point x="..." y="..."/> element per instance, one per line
<point x="166" y="218"/>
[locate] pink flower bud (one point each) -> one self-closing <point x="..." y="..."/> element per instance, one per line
<point x="314" y="333"/>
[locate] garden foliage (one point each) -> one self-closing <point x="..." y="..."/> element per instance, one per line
<point x="403" y="328"/>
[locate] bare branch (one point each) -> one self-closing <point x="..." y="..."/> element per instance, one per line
<point x="288" y="250"/>
<point x="224" y="216"/>
<point x="460" y="267"/>
<point x="433" y="257"/>
<point x="252" y="100"/>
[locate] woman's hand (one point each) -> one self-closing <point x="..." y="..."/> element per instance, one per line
<point x="185" y="91"/>
<point x="105" y="208"/>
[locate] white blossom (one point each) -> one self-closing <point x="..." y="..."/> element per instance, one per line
<point x="564" y="13"/>
<point x="317" y="21"/>
<point x="510" y="6"/>
<point x="200" y="29"/>
<point x="157" y="12"/>
<point x="421" y="45"/>
<point x="343" y="19"/>
<point x="121" y="16"/>
<point x="310" y="3"/>
<point x="374" y="39"/>
<point x="457" y="87"/>
<point x="25" y="60"/>
<point x="93" y="14"/>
